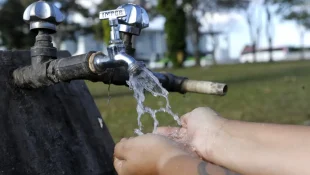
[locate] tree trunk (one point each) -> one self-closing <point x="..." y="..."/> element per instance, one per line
<point x="270" y="49"/>
<point x="250" y="25"/>
<point x="302" y="44"/>
<point x="257" y="41"/>
<point x="196" y="38"/>
<point x="269" y="33"/>
<point x="254" y="52"/>
<point x="214" y="57"/>
<point x="214" y="46"/>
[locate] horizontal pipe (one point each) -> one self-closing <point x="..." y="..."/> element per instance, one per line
<point x="111" y="72"/>
<point x="72" y="68"/>
<point x="170" y="82"/>
<point x="99" y="62"/>
<point x="28" y="77"/>
<point x="204" y="87"/>
<point x="54" y="71"/>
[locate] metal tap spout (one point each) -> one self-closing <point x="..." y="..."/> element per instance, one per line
<point x="125" y="58"/>
<point x="100" y="62"/>
<point x="116" y="50"/>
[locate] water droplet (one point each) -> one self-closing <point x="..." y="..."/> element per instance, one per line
<point x="109" y="95"/>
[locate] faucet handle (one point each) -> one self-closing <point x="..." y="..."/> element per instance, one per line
<point x="112" y="16"/>
<point x="136" y="19"/>
<point x="43" y="15"/>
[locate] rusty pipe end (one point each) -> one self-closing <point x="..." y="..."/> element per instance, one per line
<point x="204" y="87"/>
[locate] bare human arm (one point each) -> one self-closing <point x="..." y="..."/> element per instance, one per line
<point x="157" y="155"/>
<point x="254" y="148"/>
<point x="247" y="148"/>
<point x="184" y="165"/>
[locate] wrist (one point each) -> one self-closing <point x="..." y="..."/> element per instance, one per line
<point x="208" y="141"/>
<point x="180" y="164"/>
<point x="222" y="143"/>
<point x="232" y="148"/>
<point x="168" y="157"/>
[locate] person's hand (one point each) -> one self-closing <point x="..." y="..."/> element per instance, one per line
<point x="199" y="131"/>
<point x="145" y="154"/>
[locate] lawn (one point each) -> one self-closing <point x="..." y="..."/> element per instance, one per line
<point x="266" y="92"/>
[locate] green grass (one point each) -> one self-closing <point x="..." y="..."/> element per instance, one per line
<point x="274" y="93"/>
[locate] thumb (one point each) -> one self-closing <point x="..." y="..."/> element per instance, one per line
<point x="119" y="166"/>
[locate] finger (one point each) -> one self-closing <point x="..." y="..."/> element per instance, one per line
<point x="123" y="139"/>
<point x="120" y="150"/>
<point x="183" y="133"/>
<point x="123" y="148"/>
<point x="168" y="131"/>
<point x="184" y="119"/>
<point x="119" y="166"/>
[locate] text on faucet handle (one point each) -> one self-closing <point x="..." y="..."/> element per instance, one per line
<point x="112" y="14"/>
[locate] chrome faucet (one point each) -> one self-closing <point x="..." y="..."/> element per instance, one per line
<point x="129" y="19"/>
<point x="135" y="20"/>
<point x="47" y="69"/>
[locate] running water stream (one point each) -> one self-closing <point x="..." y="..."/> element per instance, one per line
<point x="146" y="81"/>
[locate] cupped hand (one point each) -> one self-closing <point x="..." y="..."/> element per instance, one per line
<point x="199" y="131"/>
<point x="145" y="154"/>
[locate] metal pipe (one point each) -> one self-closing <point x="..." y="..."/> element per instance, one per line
<point x="115" y="36"/>
<point x="204" y="87"/>
<point x="110" y="71"/>
<point x="127" y="38"/>
<point x="99" y="62"/>
<point x="72" y="68"/>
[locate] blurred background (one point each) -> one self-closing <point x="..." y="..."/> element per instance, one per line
<point x="260" y="48"/>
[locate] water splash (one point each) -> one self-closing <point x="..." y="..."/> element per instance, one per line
<point x="146" y="81"/>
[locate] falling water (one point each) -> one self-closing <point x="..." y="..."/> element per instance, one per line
<point x="146" y="81"/>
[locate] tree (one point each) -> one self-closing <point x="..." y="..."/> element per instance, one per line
<point x="269" y="28"/>
<point x="195" y="9"/>
<point x="102" y="29"/>
<point x="296" y="10"/>
<point x="254" y="20"/>
<point x="68" y="29"/>
<point x="175" y="28"/>
<point x="16" y="35"/>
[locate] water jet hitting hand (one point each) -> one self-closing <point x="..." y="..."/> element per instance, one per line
<point x="146" y="81"/>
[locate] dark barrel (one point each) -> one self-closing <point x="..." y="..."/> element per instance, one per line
<point x="51" y="130"/>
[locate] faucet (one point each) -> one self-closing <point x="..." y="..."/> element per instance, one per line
<point x="132" y="24"/>
<point x="46" y="69"/>
<point x="129" y="19"/>
<point x="116" y="49"/>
